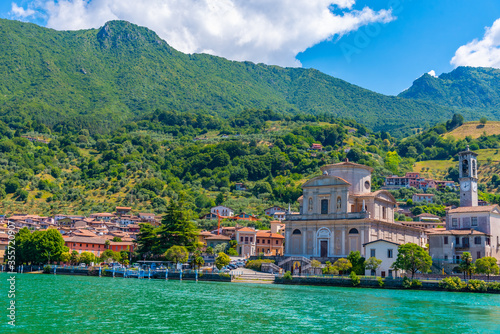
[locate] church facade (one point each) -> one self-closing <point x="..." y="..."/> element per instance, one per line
<point x="339" y="213"/>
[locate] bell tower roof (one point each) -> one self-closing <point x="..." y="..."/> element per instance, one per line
<point x="468" y="152"/>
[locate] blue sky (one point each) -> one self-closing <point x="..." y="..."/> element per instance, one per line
<point x="378" y="45"/>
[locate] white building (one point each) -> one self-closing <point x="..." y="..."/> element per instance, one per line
<point x="272" y="210"/>
<point x="429" y="198"/>
<point x="384" y="250"/>
<point x="222" y="210"/>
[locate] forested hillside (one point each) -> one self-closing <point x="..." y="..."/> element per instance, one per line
<point x="98" y="79"/>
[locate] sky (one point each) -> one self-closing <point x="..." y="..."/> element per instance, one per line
<point x="381" y="45"/>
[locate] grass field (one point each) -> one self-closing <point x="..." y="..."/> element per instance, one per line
<point x="475" y="130"/>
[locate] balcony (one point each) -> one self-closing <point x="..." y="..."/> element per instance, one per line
<point x="330" y="216"/>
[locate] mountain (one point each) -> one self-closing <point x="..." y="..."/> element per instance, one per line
<point x="99" y="78"/>
<point x="477" y="88"/>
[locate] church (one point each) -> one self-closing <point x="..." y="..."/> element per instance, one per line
<point x="469" y="228"/>
<point x="339" y="213"/>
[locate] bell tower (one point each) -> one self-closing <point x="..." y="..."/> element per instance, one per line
<point x="467" y="171"/>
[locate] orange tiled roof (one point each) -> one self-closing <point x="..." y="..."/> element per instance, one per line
<point x="486" y="208"/>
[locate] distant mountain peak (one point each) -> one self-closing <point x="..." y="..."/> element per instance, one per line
<point x="115" y="33"/>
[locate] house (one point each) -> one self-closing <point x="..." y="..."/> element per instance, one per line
<point x="118" y="246"/>
<point x="428" y="217"/>
<point x="279" y="215"/>
<point x="269" y="243"/>
<point x="222" y="211"/>
<point x="272" y="210"/>
<point x="215" y="240"/>
<point x="210" y="216"/>
<point x="94" y="245"/>
<point x="240" y="187"/>
<point x="245" y="216"/>
<point x="104" y="216"/>
<point x="147" y="217"/>
<point x="384" y="250"/>
<point x="429" y="198"/>
<point x="203" y="235"/>
<point x="246" y="241"/>
<point x="316" y="147"/>
<point x="123" y="210"/>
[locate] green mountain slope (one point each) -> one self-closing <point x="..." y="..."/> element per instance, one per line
<point x="465" y="87"/>
<point x="99" y="78"/>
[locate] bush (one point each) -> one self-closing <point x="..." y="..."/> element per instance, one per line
<point x="355" y="280"/>
<point x="257" y="264"/>
<point x="409" y="283"/>
<point x="381" y="282"/>
<point x="47" y="269"/>
<point x="494" y="286"/>
<point x="232" y="252"/>
<point x="477" y="285"/>
<point x="452" y="284"/>
<point x="288" y="275"/>
<point x="315" y="264"/>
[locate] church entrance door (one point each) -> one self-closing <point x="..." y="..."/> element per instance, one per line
<point x="324" y="248"/>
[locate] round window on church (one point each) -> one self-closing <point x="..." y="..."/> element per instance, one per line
<point x="367" y="184"/>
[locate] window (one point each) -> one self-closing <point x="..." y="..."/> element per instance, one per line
<point x="474" y="221"/>
<point x="339" y="203"/>
<point x="258" y="241"/>
<point x="251" y="239"/>
<point x="445" y="240"/>
<point x="465" y="241"/>
<point x="477" y="240"/>
<point x="268" y="241"/>
<point x="478" y="254"/>
<point x="276" y="242"/>
<point x="80" y="245"/>
<point x="353" y="231"/>
<point x="446" y="257"/>
<point x="372" y="252"/>
<point x="384" y="212"/>
<point x="373" y="272"/>
<point x="246" y="239"/>
<point x="324" y="206"/>
<point x="457" y="240"/>
<point x="454" y="222"/>
<point x="389" y="253"/>
<point x="296" y="231"/>
<point x="241" y="239"/>
<point x="488" y="241"/>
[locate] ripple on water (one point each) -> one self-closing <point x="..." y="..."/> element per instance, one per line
<point x="77" y="304"/>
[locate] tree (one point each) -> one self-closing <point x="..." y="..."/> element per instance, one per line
<point x="65" y="257"/>
<point x="315" y="264"/>
<point x="467" y="265"/>
<point x="357" y="262"/>
<point x="343" y="265"/>
<point x="222" y="260"/>
<point x="372" y="263"/>
<point x="147" y="240"/>
<point x="176" y="229"/>
<point x="107" y="254"/>
<point x="219" y="199"/>
<point x="74" y="258"/>
<point x="220" y="248"/>
<point x="197" y="261"/>
<point x="483" y="120"/>
<point x="116" y="239"/>
<point x="487" y="265"/>
<point x="413" y="258"/>
<point x="177" y="254"/>
<point x="87" y="258"/>
<point x="209" y="251"/>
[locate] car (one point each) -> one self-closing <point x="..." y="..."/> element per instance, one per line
<point x="82" y="265"/>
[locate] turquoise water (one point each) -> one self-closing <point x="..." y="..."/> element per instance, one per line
<point x="80" y="304"/>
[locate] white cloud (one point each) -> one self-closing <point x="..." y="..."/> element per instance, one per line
<point x="481" y="53"/>
<point x="273" y="32"/>
<point x="432" y="73"/>
<point x="20" y="12"/>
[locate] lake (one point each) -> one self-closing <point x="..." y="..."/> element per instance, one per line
<point x="81" y="304"/>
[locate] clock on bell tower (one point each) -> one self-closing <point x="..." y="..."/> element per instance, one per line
<point x="467" y="171"/>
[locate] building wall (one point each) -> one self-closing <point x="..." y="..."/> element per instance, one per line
<point x="381" y="252"/>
